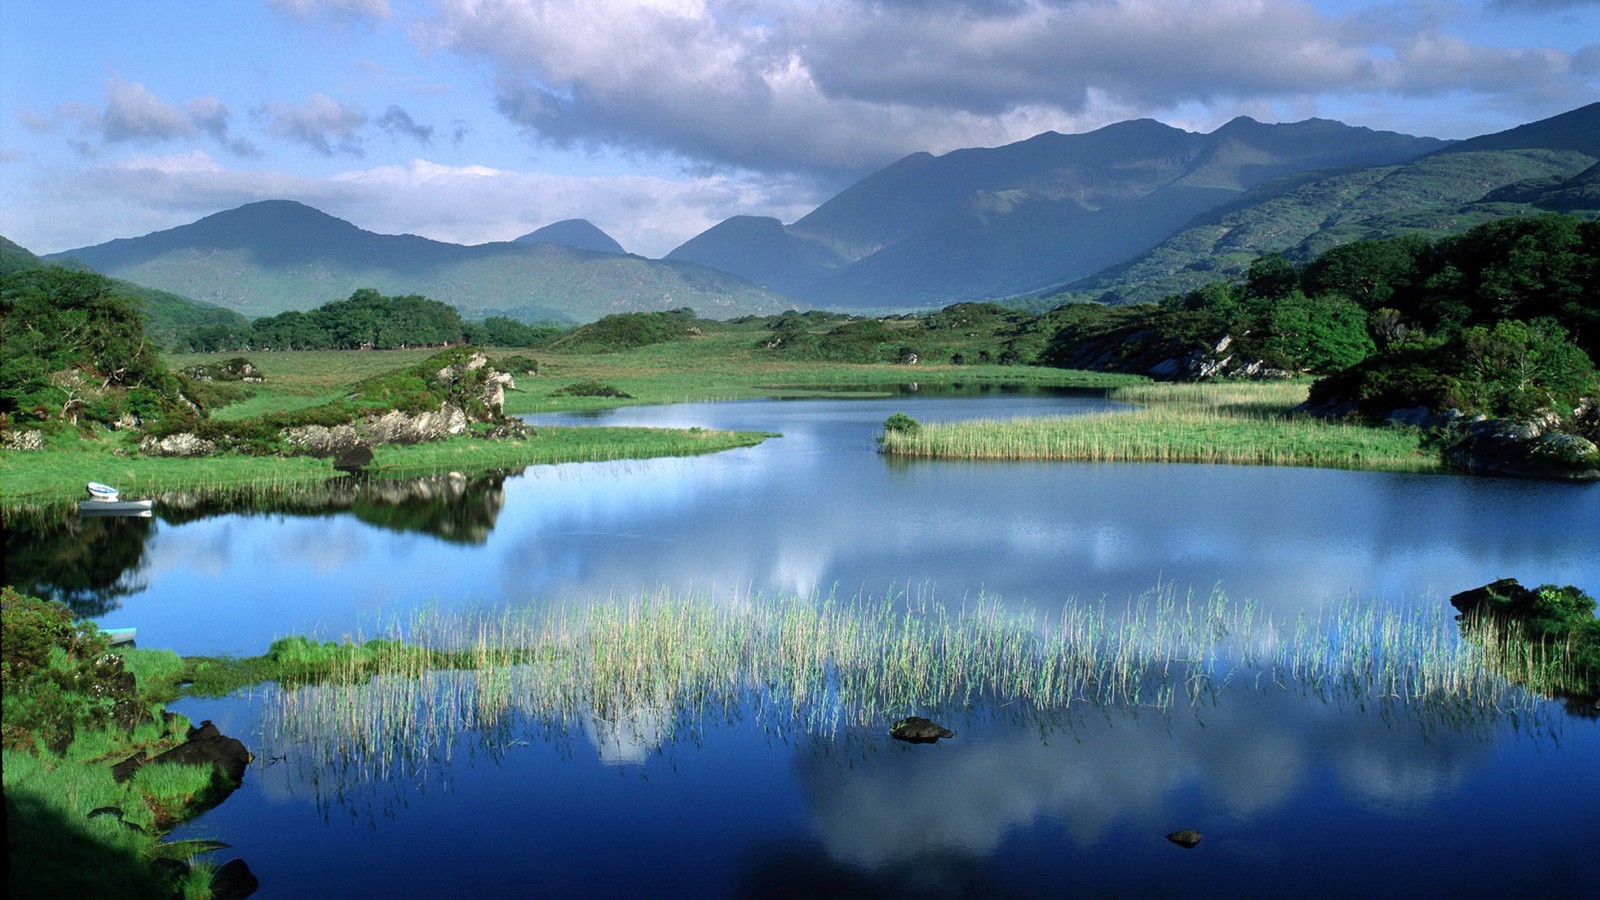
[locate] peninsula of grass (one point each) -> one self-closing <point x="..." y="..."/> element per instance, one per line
<point x="57" y="475"/>
<point x="1243" y="423"/>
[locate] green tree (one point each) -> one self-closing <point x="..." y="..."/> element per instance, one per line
<point x="69" y="338"/>
<point x="1521" y="368"/>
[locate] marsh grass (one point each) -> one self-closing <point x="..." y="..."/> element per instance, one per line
<point x="1247" y="423"/>
<point x="658" y="666"/>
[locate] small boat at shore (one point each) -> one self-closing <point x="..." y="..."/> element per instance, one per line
<point x="105" y="500"/>
<point x="120" y="635"/>
<point x="139" y="508"/>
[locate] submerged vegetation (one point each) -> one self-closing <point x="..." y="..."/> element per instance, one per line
<point x="1228" y="422"/>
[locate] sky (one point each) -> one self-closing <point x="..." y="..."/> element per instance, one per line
<point x="481" y="120"/>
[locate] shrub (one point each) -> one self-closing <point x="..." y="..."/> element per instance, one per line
<point x="900" y="423"/>
<point x="591" y="389"/>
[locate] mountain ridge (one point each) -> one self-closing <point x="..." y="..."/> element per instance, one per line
<point x="270" y="256"/>
<point x="988" y="223"/>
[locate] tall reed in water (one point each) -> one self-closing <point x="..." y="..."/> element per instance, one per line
<point x="821" y="663"/>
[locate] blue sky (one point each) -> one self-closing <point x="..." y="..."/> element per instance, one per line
<point x="481" y="120"/>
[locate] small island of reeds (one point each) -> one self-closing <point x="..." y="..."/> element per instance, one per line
<point x="1246" y="423"/>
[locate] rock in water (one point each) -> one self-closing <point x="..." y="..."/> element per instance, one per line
<point x="917" y="730"/>
<point x="1185" y="838"/>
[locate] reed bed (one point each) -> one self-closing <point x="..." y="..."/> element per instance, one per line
<point x="644" y="669"/>
<point x="1237" y="424"/>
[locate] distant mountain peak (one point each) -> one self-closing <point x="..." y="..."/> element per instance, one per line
<point x="580" y="234"/>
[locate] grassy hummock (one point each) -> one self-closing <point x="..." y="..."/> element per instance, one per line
<point x="1245" y="423"/>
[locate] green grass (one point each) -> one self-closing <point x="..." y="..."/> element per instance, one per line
<point x="1244" y="423"/>
<point x="59" y="474"/>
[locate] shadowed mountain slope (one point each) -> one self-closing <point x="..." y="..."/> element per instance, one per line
<point x="1548" y="166"/>
<point x="1000" y="221"/>
<point x="276" y="255"/>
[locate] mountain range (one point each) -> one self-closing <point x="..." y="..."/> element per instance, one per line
<point x="275" y="255"/>
<point x="1132" y="211"/>
<point x="992" y="223"/>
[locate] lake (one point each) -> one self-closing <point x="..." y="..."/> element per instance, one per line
<point x="1297" y="792"/>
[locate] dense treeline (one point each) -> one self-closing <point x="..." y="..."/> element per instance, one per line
<point x="367" y="320"/>
<point x="1502" y="320"/>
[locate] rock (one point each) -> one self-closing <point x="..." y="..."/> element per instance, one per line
<point x="1185" y="838"/>
<point x="233" y="881"/>
<point x="29" y="439"/>
<point x="353" y="459"/>
<point x="183" y="444"/>
<point x="1524" y="450"/>
<point x="917" y="730"/>
<point x="204" y="745"/>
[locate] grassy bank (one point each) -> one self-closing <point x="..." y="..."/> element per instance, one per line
<point x="58" y="474"/>
<point x="1246" y="423"/>
<point x="718" y="366"/>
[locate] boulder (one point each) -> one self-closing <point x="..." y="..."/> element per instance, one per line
<point x="1186" y="838"/>
<point x="203" y="745"/>
<point x="353" y="459"/>
<point x="1524" y="450"/>
<point x="917" y="730"/>
<point x="183" y="444"/>
<point x="233" y="881"/>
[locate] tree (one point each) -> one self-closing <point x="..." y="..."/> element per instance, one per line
<point x="1368" y="272"/>
<point x="1319" y="334"/>
<point x="1521" y="368"/>
<point x="69" y="338"/>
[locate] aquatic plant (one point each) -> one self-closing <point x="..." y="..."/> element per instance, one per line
<point x="646" y="669"/>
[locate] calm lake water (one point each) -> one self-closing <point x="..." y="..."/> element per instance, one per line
<point x="1297" y="795"/>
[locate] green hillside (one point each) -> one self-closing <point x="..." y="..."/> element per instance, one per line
<point x="168" y="316"/>
<point x="1552" y="165"/>
<point x="1436" y="195"/>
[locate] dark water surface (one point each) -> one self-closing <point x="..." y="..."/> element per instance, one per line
<point x="1296" y="795"/>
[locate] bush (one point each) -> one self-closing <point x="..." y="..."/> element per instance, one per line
<point x="57" y="675"/>
<point x="900" y="423"/>
<point x="591" y="389"/>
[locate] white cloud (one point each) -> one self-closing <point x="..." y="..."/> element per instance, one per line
<point x="132" y="113"/>
<point x="475" y="204"/>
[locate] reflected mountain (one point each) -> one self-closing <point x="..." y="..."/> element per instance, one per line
<point x="87" y="562"/>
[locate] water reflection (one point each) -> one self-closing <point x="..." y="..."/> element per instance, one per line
<point x="1286" y="787"/>
<point x="89" y="563"/>
<point x="92" y="563"/>
<point x="450" y="506"/>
